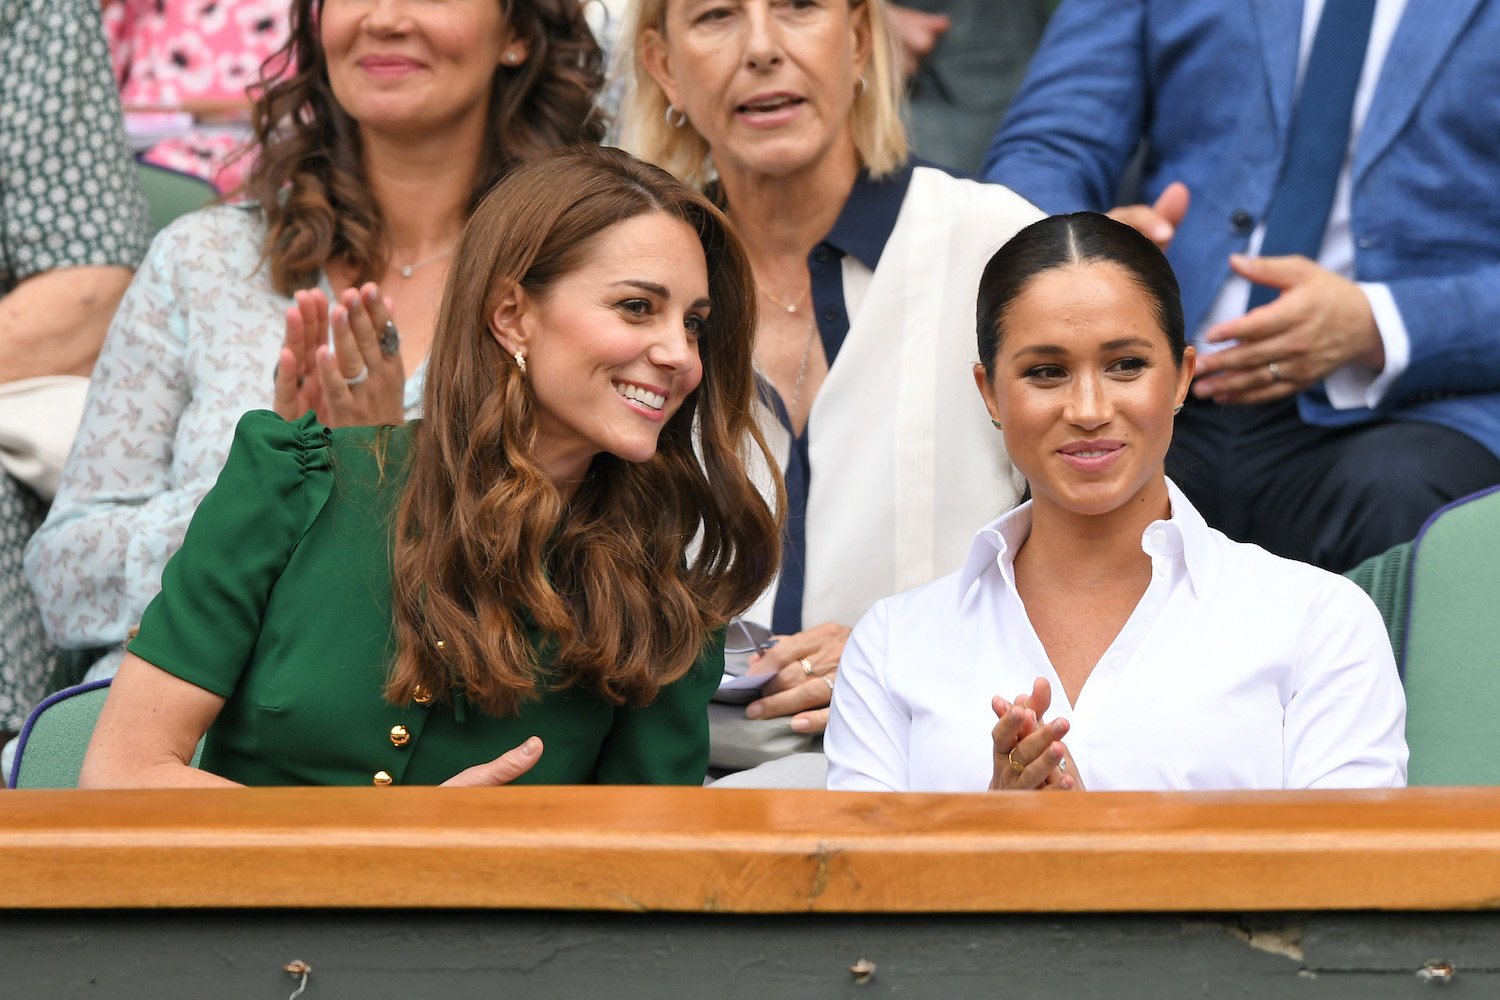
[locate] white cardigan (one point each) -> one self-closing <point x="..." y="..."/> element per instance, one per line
<point x="904" y="459"/>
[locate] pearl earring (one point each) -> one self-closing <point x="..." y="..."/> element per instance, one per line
<point x="521" y="361"/>
<point x="512" y="57"/>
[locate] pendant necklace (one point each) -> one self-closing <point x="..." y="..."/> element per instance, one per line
<point x="790" y="307"/>
<point x="405" y="270"/>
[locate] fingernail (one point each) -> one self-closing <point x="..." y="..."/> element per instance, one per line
<point x="371" y="294"/>
<point x="801" y="725"/>
<point x="530" y="747"/>
<point x="1162" y="232"/>
<point x="1060" y="726"/>
<point x="754" y="711"/>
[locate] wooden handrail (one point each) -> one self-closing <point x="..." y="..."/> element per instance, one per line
<point x="750" y="851"/>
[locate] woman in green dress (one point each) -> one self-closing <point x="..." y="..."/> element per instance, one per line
<point x="546" y="560"/>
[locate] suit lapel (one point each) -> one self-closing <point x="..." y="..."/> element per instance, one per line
<point x="1428" y="29"/>
<point x="1280" y="25"/>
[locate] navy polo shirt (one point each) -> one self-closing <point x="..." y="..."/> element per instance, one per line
<point x="861" y="232"/>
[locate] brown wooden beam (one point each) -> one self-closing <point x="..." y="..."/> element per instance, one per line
<point x="693" y="849"/>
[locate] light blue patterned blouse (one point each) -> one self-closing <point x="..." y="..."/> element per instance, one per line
<point x="192" y="347"/>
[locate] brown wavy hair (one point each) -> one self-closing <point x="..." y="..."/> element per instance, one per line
<point x="309" y="175"/>
<point x="625" y="581"/>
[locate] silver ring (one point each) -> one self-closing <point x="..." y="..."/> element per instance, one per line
<point x="390" y="340"/>
<point x="1062" y="765"/>
<point x="827" y="680"/>
<point x="1275" y="372"/>
<point x="364" y="373"/>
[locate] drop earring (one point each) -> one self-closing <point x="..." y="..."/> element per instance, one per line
<point x="520" y="357"/>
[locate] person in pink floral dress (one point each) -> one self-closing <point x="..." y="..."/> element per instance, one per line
<point x="196" y="56"/>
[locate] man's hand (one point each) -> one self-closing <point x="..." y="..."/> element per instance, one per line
<point x="1157" y="222"/>
<point x="1320" y="323"/>
<point x="916" y="34"/>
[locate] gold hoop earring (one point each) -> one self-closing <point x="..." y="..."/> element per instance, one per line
<point x="1176" y="409"/>
<point x="520" y="357"/>
<point x="675" y="118"/>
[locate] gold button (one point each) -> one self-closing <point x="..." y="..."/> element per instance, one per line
<point x="400" y="736"/>
<point x="421" y="695"/>
<point x="382" y="778"/>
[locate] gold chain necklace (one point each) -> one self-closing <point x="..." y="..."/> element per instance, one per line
<point x="790" y="307"/>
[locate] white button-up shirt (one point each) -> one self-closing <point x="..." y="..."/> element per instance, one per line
<point x="1237" y="670"/>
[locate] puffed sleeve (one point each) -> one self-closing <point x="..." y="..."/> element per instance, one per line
<point x="666" y="742"/>
<point x="204" y="624"/>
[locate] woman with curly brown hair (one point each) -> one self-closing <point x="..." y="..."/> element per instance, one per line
<point x="389" y="123"/>
<point x="547" y="559"/>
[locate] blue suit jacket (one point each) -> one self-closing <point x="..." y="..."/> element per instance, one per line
<point x="1209" y="85"/>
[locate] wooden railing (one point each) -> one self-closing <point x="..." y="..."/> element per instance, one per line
<point x="750" y="851"/>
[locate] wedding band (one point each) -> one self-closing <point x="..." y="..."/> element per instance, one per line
<point x="364" y="373"/>
<point x="1012" y="758"/>
<point x="806" y="666"/>
<point x="390" y="340"/>
<point x="827" y="680"/>
<point x="1275" y="372"/>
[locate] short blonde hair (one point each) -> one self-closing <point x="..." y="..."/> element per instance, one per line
<point x="879" y="133"/>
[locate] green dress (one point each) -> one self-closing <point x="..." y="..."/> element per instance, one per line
<point x="279" y="601"/>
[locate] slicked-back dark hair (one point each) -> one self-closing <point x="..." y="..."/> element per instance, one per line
<point x="1064" y="240"/>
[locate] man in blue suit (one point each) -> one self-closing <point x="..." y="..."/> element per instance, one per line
<point x="1358" y="388"/>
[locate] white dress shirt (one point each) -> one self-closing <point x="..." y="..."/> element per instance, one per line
<point x="1237" y="670"/>
<point x="1352" y="385"/>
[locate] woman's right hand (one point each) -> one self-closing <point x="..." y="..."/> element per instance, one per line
<point x="1029" y="753"/>
<point x="351" y="384"/>
<point x="502" y="770"/>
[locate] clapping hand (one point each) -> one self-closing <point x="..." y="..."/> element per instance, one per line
<point x="360" y="379"/>
<point x="1028" y="751"/>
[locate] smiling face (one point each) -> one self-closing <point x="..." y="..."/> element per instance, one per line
<point x="409" y="65"/>
<point x="612" y="346"/>
<point x="769" y="84"/>
<point x="1084" y="386"/>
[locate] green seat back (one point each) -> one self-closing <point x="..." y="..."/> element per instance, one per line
<point x="170" y="193"/>
<point x="56" y="736"/>
<point x="1452" y="660"/>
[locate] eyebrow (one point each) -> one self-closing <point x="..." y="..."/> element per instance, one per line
<point x="660" y="291"/>
<point x="1056" y="351"/>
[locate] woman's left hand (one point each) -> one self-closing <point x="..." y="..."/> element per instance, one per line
<point x="360" y="380"/>
<point x="805" y="665"/>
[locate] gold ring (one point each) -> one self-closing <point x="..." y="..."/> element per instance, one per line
<point x="1012" y="758"/>
<point x="806" y="666"/>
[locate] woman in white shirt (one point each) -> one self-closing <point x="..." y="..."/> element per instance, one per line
<point x="1174" y="658"/>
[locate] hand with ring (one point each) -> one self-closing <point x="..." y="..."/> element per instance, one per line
<point x="806" y="665"/>
<point x="1028" y="751"/>
<point x="360" y="379"/>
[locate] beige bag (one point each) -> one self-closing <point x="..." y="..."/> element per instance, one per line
<point x="39" y="418"/>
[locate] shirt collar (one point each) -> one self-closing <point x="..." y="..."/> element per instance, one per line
<point x="1184" y="536"/>
<point x="869" y="215"/>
